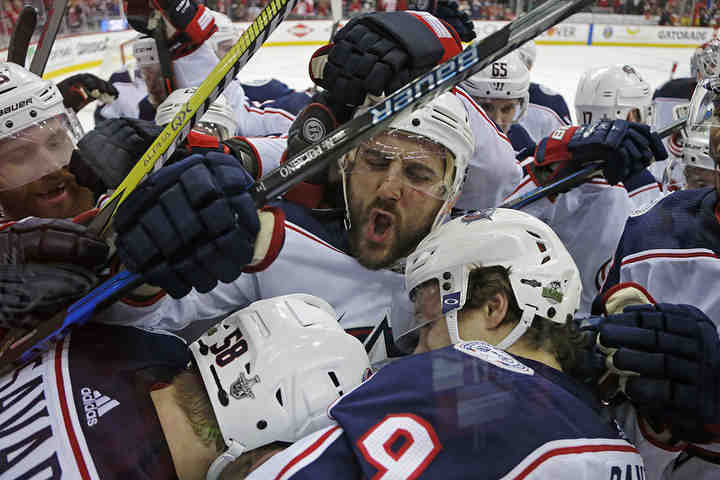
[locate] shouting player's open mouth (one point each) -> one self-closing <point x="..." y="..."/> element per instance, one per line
<point x="379" y="226"/>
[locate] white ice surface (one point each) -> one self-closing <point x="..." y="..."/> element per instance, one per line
<point x="557" y="67"/>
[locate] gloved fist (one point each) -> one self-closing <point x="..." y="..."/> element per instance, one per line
<point x="83" y="88"/>
<point x="50" y="240"/>
<point x="190" y="23"/>
<point x="378" y="53"/>
<point x="193" y="223"/>
<point x="108" y="152"/>
<point x="622" y="148"/>
<point x="312" y="124"/>
<point x="666" y="360"/>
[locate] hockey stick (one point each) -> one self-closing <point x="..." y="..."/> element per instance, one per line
<point x="317" y="157"/>
<point x="575" y="179"/>
<point x="21" y="35"/>
<point x="179" y="127"/>
<point x="161" y="42"/>
<point x="47" y="37"/>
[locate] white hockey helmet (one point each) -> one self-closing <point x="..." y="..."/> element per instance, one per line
<point x="611" y="92"/>
<point x="219" y="120"/>
<point x="145" y="52"/>
<point x="528" y="53"/>
<point x="705" y="60"/>
<point x="508" y="78"/>
<point x="443" y="121"/>
<point x="272" y="369"/>
<point x="701" y="136"/>
<point x="226" y="35"/>
<point x="29" y="106"/>
<point x="544" y="277"/>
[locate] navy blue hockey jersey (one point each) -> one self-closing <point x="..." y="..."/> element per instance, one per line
<point x="468" y="411"/>
<point x="83" y="410"/>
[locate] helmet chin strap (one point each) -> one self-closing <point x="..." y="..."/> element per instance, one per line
<point x="518" y="331"/>
<point x="226" y="458"/>
<point x="526" y="320"/>
<point x="341" y="164"/>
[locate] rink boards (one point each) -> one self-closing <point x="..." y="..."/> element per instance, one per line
<point x="107" y="51"/>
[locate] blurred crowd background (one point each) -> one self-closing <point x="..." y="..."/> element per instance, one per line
<point x="85" y="16"/>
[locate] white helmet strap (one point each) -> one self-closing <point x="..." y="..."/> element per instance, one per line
<point x="226" y="458"/>
<point x="522" y="326"/>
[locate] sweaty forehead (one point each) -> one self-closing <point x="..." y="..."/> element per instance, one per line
<point x="410" y="146"/>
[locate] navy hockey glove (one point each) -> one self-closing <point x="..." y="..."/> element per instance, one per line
<point x="193" y="223"/>
<point x="108" y="152"/>
<point x="624" y="148"/>
<point x="378" y="53"/>
<point x="81" y="89"/>
<point x="666" y="360"/>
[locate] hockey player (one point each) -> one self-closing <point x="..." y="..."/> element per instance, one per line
<point x="491" y="298"/>
<point x="670" y="103"/>
<point x="396" y="186"/>
<point x="411" y="42"/>
<point x="37" y="138"/>
<point x="547" y="110"/>
<point x="704" y="63"/>
<point x="118" y="403"/>
<point x="501" y="89"/>
<point x="218" y="121"/>
<point x="669" y="253"/>
<point x="620" y="92"/>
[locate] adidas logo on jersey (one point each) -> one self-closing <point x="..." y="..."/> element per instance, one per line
<point x="96" y="405"/>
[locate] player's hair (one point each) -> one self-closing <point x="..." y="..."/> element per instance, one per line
<point x="564" y="341"/>
<point x="191" y="396"/>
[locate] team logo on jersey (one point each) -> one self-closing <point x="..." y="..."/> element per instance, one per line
<point x="499" y="358"/>
<point x="242" y="387"/>
<point x="96" y="405"/>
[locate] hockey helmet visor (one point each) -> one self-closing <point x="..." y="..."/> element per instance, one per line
<point x="37" y="150"/>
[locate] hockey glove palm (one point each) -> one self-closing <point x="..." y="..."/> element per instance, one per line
<point x="622" y="148"/>
<point x="192" y="224"/>
<point x="666" y="360"/>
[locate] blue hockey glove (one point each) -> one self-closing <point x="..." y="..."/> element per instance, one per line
<point x="666" y="360"/>
<point x="192" y="224"/>
<point x="625" y="148"/>
<point x="378" y="53"/>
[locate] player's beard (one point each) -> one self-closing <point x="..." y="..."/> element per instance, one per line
<point x="404" y="238"/>
<point x="32" y="199"/>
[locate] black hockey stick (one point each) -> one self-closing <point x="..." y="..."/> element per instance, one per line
<point x="161" y="42"/>
<point x="21" y="35"/>
<point x="317" y="157"/>
<point x="577" y="178"/>
<point x="47" y="37"/>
